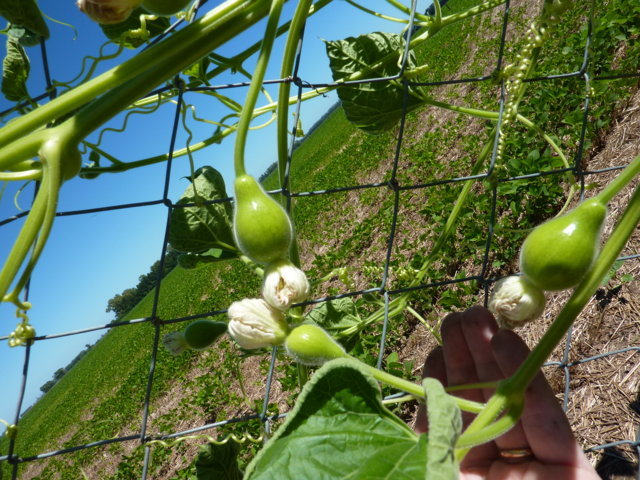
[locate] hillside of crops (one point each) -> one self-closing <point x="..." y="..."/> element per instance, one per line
<point x="351" y="190"/>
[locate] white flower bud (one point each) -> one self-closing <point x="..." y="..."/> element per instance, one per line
<point x="284" y="285"/>
<point x="108" y="11"/>
<point x="175" y="342"/>
<point x="255" y="324"/>
<point x="515" y="301"/>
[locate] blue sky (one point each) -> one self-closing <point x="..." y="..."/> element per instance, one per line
<point x="90" y="258"/>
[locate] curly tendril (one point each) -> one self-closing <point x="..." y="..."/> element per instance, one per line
<point x="242" y="439"/>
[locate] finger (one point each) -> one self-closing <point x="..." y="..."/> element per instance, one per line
<point x="461" y="369"/>
<point x="544" y="423"/>
<point x="460" y="366"/>
<point x="433" y="367"/>
<point x="479" y="327"/>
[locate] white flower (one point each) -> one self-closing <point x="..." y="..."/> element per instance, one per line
<point x="108" y="11"/>
<point x="515" y="301"/>
<point x="175" y="342"/>
<point x="255" y="324"/>
<point x="284" y="285"/>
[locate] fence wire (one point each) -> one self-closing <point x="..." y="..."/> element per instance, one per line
<point x="393" y="187"/>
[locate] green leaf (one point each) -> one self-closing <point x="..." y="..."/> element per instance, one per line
<point x="198" y="71"/>
<point x="445" y="425"/>
<point x="25" y="13"/>
<point x="130" y="34"/>
<point x="218" y="462"/>
<point x="26" y="37"/>
<point x="611" y="273"/>
<point x="335" y="315"/>
<point x="371" y="106"/>
<point x="199" y="228"/>
<point x="533" y="155"/>
<point x="15" y="71"/>
<point x="340" y="429"/>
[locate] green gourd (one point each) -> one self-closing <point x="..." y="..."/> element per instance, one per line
<point x="558" y="253"/>
<point x="202" y="333"/>
<point x="309" y="344"/>
<point x="261" y="227"/>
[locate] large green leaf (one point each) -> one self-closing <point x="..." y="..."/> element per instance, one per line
<point x="371" y="106"/>
<point x="335" y="315"/>
<point x="445" y="425"/>
<point x="25" y="13"/>
<point x="201" y="227"/>
<point x="340" y="429"/>
<point x="218" y="462"/>
<point x="15" y="71"/>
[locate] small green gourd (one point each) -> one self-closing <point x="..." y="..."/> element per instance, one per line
<point x="261" y="227"/>
<point x="202" y="333"/>
<point x="558" y="253"/>
<point x="309" y="344"/>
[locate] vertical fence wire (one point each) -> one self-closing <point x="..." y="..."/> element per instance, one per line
<point x="393" y="189"/>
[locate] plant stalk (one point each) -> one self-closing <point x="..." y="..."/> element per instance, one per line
<point x="514" y="387"/>
<point x="157" y="64"/>
<point x="413" y="389"/>
<point x="256" y="86"/>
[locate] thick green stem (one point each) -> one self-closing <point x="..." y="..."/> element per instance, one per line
<point x="155" y="65"/>
<point x="51" y="188"/>
<point x="621" y="181"/>
<point x="237" y="60"/>
<point x="197" y="43"/>
<point x="512" y="389"/>
<point x="18" y="152"/>
<point x="24" y="175"/>
<point x="25" y="240"/>
<point x="494" y="430"/>
<point x="256" y="86"/>
<point x="288" y="60"/>
<point x="438" y="12"/>
<point x="415" y="390"/>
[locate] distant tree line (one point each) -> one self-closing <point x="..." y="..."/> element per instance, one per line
<point x="123" y="302"/>
<point x="58" y="374"/>
<point x="268" y="171"/>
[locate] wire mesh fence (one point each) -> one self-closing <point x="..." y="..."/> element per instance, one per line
<point x="392" y="188"/>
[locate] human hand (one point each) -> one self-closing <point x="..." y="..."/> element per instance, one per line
<point x="541" y="445"/>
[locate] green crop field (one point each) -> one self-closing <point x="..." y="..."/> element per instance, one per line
<point x="343" y="243"/>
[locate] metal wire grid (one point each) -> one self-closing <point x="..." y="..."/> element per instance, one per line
<point x="394" y="187"/>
